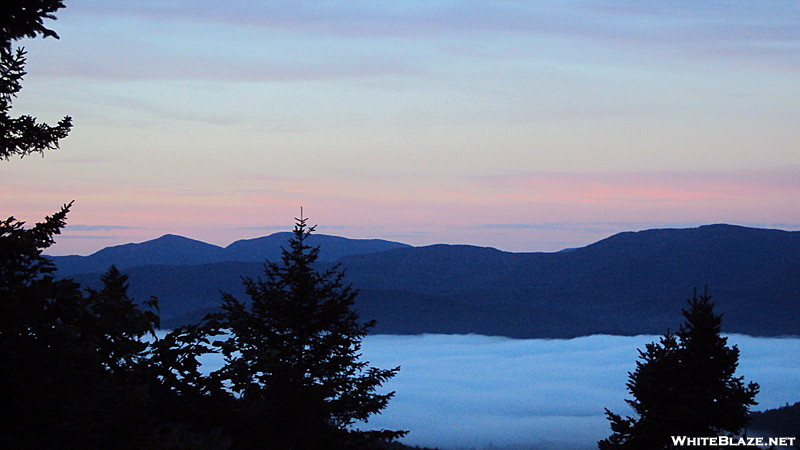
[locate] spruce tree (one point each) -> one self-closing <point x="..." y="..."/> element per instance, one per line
<point x="24" y="135"/>
<point x="72" y="362"/>
<point x="684" y="385"/>
<point x="292" y="358"/>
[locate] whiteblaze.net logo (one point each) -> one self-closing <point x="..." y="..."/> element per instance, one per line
<point x="727" y="441"/>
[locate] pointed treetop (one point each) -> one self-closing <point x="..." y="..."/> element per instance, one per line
<point x="301" y="229"/>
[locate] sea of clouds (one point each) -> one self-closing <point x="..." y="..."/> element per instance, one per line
<point x="471" y="391"/>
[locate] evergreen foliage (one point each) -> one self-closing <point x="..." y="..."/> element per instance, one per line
<point x="684" y="385"/>
<point x="292" y="358"/>
<point x="190" y="407"/>
<point x="24" y="135"/>
<point x="84" y="368"/>
<point x="72" y="361"/>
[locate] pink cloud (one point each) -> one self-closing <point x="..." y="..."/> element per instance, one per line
<point x="657" y="186"/>
<point x="522" y="208"/>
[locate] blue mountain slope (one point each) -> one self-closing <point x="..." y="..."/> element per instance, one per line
<point x="332" y="248"/>
<point x="167" y="250"/>
<point x="172" y="250"/>
<point x="629" y="283"/>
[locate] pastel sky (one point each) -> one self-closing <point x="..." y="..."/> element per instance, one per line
<point x="526" y="126"/>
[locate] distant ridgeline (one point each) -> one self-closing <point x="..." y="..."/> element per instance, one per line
<point x="630" y="283"/>
<point x="783" y="421"/>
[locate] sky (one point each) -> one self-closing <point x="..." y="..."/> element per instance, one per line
<point x="525" y="126"/>
<point x="474" y="392"/>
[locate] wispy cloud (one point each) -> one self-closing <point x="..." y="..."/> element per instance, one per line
<point x="282" y="41"/>
<point x="89" y="236"/>
<point x="655" y="186"/>
<point x="80" y="227"/>
<point x="771" y="20"/>
<point x="586" y="227"/>
<point x="262" y="228"/>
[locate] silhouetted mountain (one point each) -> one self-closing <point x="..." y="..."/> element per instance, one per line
<point x="332" y="248"/>
<point x="629" y="283"/>
<point x="168" y="249"/>
<point x="172" y="250"/>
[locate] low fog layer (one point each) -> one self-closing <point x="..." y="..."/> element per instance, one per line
<point x="456" y="391"/>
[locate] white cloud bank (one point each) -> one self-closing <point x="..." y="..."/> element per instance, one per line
<point x="456" y="391"/>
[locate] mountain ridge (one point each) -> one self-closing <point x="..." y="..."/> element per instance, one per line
<point x="174" y="250"/>
<point x="628" y="283"/>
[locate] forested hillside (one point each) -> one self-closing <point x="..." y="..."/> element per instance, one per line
<point x="629" y="283"/>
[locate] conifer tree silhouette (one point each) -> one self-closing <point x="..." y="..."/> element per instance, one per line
<point x="71" y="361"/>
<point x="684" y="385"/>
<point x="24" y="135"/>
<point x="292" y="358"/>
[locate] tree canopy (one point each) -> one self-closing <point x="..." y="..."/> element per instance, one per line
<point x="25" y="18"/>
<point x="24" y="135"/>
<point x="684" y="385"/>
<point x="84" y="368"/>
<point x="71" y="359"/>
<point x="292" y="357"/>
